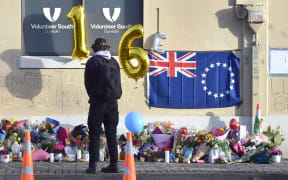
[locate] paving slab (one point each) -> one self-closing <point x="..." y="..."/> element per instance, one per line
<point x="152" y="171"/>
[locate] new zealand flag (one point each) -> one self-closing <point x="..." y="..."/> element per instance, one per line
<point x="193" y="80"/>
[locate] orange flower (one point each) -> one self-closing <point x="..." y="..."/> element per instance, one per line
<point x="43" y="127"/>
<point x="44" y="122"/>
<point x="52" y="125"/>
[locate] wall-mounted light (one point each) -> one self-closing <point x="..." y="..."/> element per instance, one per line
<point x="158" y="37"/>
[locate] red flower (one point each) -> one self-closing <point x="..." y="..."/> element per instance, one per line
<point x="184" y="131"/>
<point x="4" y="127"/>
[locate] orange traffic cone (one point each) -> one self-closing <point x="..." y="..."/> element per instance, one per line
<point x="27" y="165"/>
<point x="258" y="121"/>
<point x="129" y="164"/>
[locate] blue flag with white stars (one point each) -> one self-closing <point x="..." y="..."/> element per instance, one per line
<point x="193" y="80"/>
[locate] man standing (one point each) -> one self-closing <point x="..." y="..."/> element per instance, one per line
<point x="103" y="86"/>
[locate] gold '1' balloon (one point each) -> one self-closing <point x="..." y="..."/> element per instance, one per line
<point x="126" y="53"/>
<point x="77" y="15"/>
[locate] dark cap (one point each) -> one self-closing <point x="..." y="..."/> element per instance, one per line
<point x="100" y="44"/>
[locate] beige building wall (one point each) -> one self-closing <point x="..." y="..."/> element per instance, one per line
<point x="278" y="38"/>
<point x="191" y="25"/>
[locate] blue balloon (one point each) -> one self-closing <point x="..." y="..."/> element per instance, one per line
<point x="134" y="122"/>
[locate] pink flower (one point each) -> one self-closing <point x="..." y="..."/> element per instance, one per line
<point x="58" y="147"/>
<point x="276" y="151"/>
<point x="217" y="132"/>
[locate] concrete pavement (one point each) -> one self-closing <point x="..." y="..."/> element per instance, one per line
<point x="152" y="171"/>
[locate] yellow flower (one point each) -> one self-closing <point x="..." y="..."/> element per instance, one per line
<point x="1" y="143"/>
<point x="15" y="134"/>
<point x="19" y="139"/>
<point x="208" y="136"/>
<point x="210" y="139"/>
<point x="222" y="129"/>
<point x="225" y="127"/>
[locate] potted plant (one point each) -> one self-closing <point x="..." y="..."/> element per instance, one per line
<point x="276" y="155"/>
<point x="276" y="139"/>
<point x="58" y="151"/>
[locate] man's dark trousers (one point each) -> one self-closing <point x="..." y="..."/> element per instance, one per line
<point x="107" y="113"/>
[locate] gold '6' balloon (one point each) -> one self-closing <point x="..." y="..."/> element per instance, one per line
<point x="77" y="15"/>
<point x="126" y="53"/>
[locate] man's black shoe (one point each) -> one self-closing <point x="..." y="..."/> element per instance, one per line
<point x="112" y="168"/>
<point x="90" y="170"/>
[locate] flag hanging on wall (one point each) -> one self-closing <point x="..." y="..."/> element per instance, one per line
<point x="193" y="80"/>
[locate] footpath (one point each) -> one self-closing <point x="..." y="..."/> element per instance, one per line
<point x="152" y="171"/>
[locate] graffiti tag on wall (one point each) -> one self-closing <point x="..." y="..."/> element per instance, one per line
<point x="279" y="94"/>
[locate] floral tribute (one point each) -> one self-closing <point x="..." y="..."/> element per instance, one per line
<point x="224" y="144"/>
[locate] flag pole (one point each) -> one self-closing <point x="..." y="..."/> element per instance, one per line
<point x="157" y="9"/>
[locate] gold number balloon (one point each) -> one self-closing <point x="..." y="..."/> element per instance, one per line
<point x="77" y="15"/>
<point x="126" y="53"/>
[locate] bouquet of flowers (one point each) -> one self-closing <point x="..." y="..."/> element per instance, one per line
<point x="59" y="148"/>
<point x="6" y="124"/>
<point x="162" y="140"/>
<point x="48" y="146"/>
<point x="275" y="136"/>
<point x="15" y="133"/>
<point x="205" y="142"/>
<point x="3" y="152"/>
<point x="79" y="137"/>
<point x="47" y="127"/>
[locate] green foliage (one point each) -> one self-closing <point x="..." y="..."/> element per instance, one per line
<point x="275" y="135"/>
